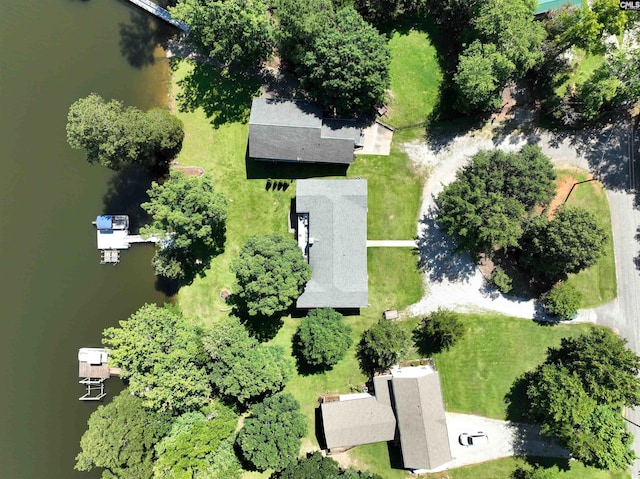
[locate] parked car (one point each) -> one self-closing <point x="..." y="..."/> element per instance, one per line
<point x="474" y="439"/>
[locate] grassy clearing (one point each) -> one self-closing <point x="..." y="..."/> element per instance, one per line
<point x="415" y="80"/>
<point x="598" y="283"/>
<point x="583" y="65"/>
<point x="478" y="371"/>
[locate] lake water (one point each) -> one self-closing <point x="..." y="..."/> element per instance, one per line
<point x="54" y="294"/>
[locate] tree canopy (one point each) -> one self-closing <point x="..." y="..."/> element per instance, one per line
<point x="347" y="67"/>
<point x="322" y="339"/>
<point x="189" y="212"/>
<point x="121" y="439"/>
<point x="114" y="136"/>
<point x="231" y="31"/>
<point x="438" y="331"/>
<point x="563" y="300"/>
<point x="572" y="241"/>
<point x="271" y="273"/>
<point x="317" y="466"/>
<point x="161" y="356"/>
<point x="243" y="369"/>
<point x="271" y="436"/>
<point x="577" y="396"/>
<point x="190" y="447"/>
<point x="484" y="208"/>
<point x="383" y="345"/>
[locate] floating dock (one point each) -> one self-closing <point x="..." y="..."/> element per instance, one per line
<point x="161" y="13"/>
<point x="113" y="236"/>
<point x="93" y="371"/>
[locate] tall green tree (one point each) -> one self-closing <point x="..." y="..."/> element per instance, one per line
<point x="190" y="448"/>
<point x="271" y="436"/>
<point x="231" y="31"/>
<point x="271" y="273"/>
<point x="121" y="439"/>
<point x="347" y="67"/>
<point x="438" y="331"/>
<point x="192" y="215"/>
<point x="114" y="136"/>
<point x="578" y="393"/>
<point x="161" y="356"/>
<point x="383" y="345"/>
<point x="299" y="23"/>
<point x="242" y="369"/>
<point x="571" y="242"/>
<point x="484" y="208"/>
<point x="323" y="338"/>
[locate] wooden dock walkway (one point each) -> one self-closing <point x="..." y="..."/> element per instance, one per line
<point x="160" y="13"/>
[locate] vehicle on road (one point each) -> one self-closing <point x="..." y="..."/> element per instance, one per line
<point x="474" y="439"/>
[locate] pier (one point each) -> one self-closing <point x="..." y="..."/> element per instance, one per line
<point x="113" y="236"/>
<point x="93" y="371"/>
<point x="161" y="13"/>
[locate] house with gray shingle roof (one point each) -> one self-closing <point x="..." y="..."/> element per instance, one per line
<point x="295" y="131"/>
<point x="407" y="407"/>
<point x="332" y="233"/>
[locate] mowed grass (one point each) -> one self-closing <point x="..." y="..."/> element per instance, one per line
<point x="480" y="369"/>
<point x="415" y="80"/>
<point x="583" y="65"/>
<point x="376" y="457"/>
<point x="597" y="283"/>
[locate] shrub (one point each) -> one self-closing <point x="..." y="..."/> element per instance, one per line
<point x="501" y="280"/>
<point x="438" y="331"/>
<point x="562" y="301"/>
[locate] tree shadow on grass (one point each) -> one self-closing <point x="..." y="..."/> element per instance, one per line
<point x="263" y="328"/>
<point x="140" y="37"/>
<point x="517" y="400"/>
<point x="224" y="94"/>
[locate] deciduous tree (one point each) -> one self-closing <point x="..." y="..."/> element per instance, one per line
<point x="271" y="436"/>
<point x="190" y="447"/>
<point x="383" y="345"/>
<point x="114" y="136"/>
<point x="317" y="466"/>
<point x="161" y="356"/>
<point x="192" y="215"/>
<point x="562" y="301"/>
<point x="271" y="273"/>
<point x="121" y="439"/>
<point x="347" y="67"/>
<point x="231" y="31"/>
<point x="243" y="369"/>
<point x="323" y="338"/>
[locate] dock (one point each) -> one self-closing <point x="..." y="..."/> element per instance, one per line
<point x="113" y="236"/>
<point x="161" y="13"/>
<point x="93" y="370"/>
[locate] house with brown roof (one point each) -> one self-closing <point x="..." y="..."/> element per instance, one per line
<point x="407" y="408"/>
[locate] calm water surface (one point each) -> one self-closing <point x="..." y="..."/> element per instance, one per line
<point x="54" y="294"/>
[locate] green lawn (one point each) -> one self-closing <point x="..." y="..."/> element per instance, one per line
<point x="598" y="283"/>
<point x="583" y="65"/>
<point x="415" y="81"/>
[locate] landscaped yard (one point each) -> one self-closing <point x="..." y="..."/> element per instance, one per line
<point x="598" y="283"/>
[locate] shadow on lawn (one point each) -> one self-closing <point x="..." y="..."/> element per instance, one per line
<point x="224" y="94"/>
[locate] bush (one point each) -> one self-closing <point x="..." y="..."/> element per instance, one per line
<point x="562" y="301"/>
<point x="438" y="331"/>
<point x="322" y="339"/>
<point x="501" y="280"/>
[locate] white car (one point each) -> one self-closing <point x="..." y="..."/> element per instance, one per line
<point x="475" y="439"/>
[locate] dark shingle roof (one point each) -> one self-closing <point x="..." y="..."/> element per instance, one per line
<point x="357" y="421"/>
<point x="290" y="130"/>
<point x="338" y="253"/>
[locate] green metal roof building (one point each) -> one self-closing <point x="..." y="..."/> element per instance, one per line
<point x="545" y="5"/>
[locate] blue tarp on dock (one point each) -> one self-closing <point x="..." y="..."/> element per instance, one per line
<point x="104" y="222"/>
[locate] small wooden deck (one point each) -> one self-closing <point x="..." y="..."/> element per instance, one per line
<point x="96" y="371"/>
